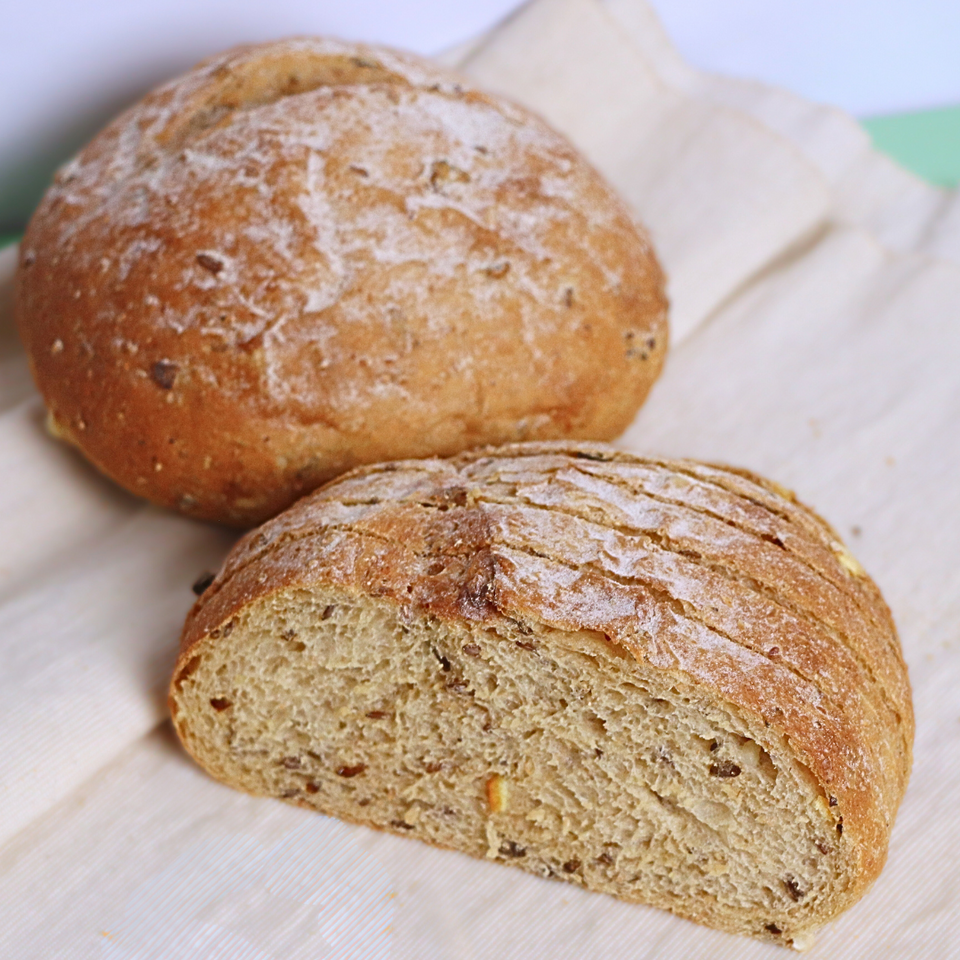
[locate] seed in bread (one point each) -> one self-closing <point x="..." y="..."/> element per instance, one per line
<point x="661" y="680"/>
<point x="308" y="255"/>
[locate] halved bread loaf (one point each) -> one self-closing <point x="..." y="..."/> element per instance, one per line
<point x="658" y="679"/>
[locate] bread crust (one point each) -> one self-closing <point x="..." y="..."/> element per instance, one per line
<point x="308" y="255"/>
<point x="713" y="575"/>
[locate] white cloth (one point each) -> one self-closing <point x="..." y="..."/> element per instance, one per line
<point x="721" y="194"/>
<point x="813" y="342"/>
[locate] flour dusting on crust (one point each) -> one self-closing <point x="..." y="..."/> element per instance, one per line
<point x="326" y="239"/>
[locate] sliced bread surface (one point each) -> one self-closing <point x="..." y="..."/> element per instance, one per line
<point x="662" y="680"/>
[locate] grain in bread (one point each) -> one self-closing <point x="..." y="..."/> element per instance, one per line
<point x="662" y="680"/>
<point x="306" y="255"/>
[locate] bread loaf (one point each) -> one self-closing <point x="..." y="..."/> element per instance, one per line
<point x="308" y="255"/>
<point x="661" y="680"/>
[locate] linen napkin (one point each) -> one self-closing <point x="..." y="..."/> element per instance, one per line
<point x="809" y="346"/>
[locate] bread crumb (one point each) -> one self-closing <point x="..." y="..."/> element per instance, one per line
<point x="53" y="427"/>
<point x="802" y="942"/>
<point x="498" y="793"/>
<point x="783" y="491"/>
<point x="848" y="561"/>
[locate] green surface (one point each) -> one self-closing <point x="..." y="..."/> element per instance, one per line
<point x="928" y="143"/>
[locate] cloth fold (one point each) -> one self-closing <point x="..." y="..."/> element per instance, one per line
<point x="722" y="196"/>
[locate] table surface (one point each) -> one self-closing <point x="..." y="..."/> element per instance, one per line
<point x="925" y="142"/>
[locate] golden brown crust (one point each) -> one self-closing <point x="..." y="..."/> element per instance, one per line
<point x="712" y="574"/>
<point x="308" y="255"/>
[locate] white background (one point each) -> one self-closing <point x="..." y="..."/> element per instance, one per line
<point x="66" y="67"/>
<point x="868" y="56"/>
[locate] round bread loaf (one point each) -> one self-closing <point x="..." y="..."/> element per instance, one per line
<point x="308" y="255"/>
<point x="658" y="679"/>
